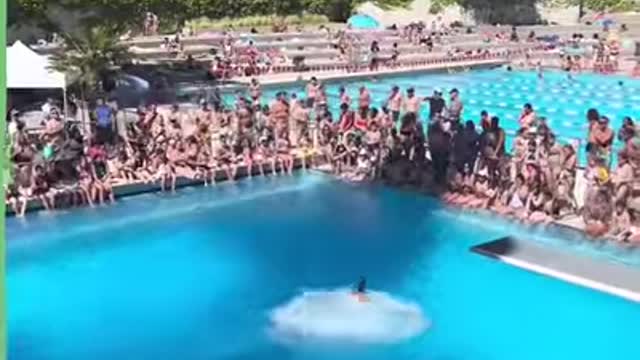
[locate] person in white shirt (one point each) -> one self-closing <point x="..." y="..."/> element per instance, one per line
<point x="12" y="128"/>
<point x="47" y="107"/>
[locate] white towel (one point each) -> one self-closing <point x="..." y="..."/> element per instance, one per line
<point x="580" y="188"/>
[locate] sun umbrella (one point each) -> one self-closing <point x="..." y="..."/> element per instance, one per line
<point x="363" y="22"/>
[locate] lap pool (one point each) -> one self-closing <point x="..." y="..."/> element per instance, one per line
<point x="194" y="276"/>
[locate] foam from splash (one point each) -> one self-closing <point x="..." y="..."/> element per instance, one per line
<point x="338" y="316"/>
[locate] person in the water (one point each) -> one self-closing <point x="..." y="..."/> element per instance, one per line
<point x="362" y="286"/>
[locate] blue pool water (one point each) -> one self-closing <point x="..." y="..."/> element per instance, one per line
<point x="503" y="93"/>
<point x="194" y="275"/>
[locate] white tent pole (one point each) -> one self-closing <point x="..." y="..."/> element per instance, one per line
<point x="64" y="103"/>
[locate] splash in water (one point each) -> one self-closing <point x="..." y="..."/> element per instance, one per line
<point x="341" y="316"/>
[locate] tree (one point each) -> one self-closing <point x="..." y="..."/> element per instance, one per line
<point x="92" y="58"/>
<point x="516" y="12"/>
<point x="597" y="5"/>
<point x="341" y="10"/>
<point x="175" y="12"/>
<point x="439" y="5"/>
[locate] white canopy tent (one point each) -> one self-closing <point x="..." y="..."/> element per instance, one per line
<point x="28" y="70"/>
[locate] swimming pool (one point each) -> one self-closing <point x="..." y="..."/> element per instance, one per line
<point x="503" y="93"/>
<point x="192" y="276"/>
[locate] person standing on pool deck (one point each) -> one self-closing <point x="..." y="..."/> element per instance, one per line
<point x="412" y="103"/>
<point x="104" y="122"/>
<point x="312" y="92"/>
<point x="592" y="118"/>
<point x="364" y="100"/>
<point x="436" y="104"/>
<point x="527" y="117"/>
<point x="255" y="91"/>
<point x="395" y="103"/>
<point x="601" y="139"/>
<point x="485" y="120"/>
<point x="455" y="108"/>
<point x="344" y="97"/>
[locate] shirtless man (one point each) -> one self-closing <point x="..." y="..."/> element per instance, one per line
<point x="204" y="114"/>
<point x="280" y="113"/>
<point x="299" y="121"/>
<point x="601" y="137"/>
<point x="364" y="100"/>
<point x="455" y="107"/>
<point x="412" y="103"/>
<point x="527" y="117"/>
<point x="244" y="116"/>
<point x="394" y="102"/>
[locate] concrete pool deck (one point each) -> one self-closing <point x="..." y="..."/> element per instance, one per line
<point x="614" y="279"/>
<point x="294" y="77"/>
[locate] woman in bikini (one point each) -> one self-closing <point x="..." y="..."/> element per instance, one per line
<point x="85" y="180"/>
<point x="456" y="185"/>
<point x="246" y="156"/>
<point x="284" y="157"/>
<point x="536" y="205"/>
<point x="482" y="191"/>
<point x="24" y="185"/>
<point x="622" y="179"/>
<point x="265" y="154"/>
<point x="192" y="160"/>
<point x="597" y="212"/>
<point x="518" y="200"/>
<point x="305" y="152"/>
<point x="321" y="100"/>
<point x="101" y="180"/>
<point x="501" y="203"/>
<point x="41" y="189"/>
<point x="352" y="150"/>
<point x="166" y="174"/>
<point x="226" y="161"/>
<point x="339" y="155"/>
<point x="466" y="194"/>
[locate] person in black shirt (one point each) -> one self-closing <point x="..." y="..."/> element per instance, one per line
<point x="465" y="146"/>
<point x="436" y="104"/>
<point x="395" y="53"/>
<point x="439" y="146"/>
<point x="375" y="49"/>
<point x="419" y="151"/>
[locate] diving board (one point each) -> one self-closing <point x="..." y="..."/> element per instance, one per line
<point x="614" y="279"/>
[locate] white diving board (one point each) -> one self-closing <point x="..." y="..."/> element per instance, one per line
<point x="611" y="278"/>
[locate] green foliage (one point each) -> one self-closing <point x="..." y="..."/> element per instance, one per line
<point x="439" y="5"/>
<point x="341" y="10"/>
<point x="598" y="5"/>
<point x="91" y="56"/>
<point x="177" y="11"/>
<point x="205" y="23"/>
